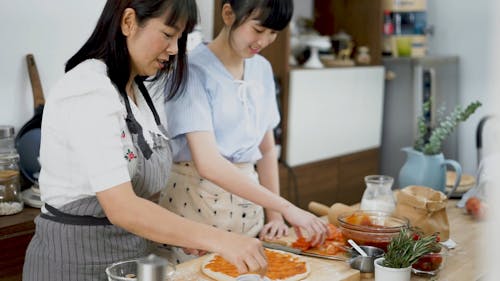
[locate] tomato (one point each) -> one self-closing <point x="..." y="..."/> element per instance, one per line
<point x="429" y="262"/>
<point x="335" y="233"/>
<point x="302" y="244"/>
<point x="436" y="259"/>
<point x="476" y="208"/>
<point x="332" y="247"/>
<point x="333" y="243"/>
<point x="472" y="204"/>
<point x="358" y="219"/>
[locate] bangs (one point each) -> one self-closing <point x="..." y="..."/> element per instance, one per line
<point x="275" y="14"/>
<point x="184" y="12"/>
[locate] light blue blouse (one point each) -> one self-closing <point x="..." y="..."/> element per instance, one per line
<point x="238" y="112"/>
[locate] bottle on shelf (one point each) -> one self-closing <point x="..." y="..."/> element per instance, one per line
<point x="11" y="201"/>
<point x="387" y="33"/>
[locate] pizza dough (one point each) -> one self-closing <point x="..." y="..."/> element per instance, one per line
<point x="282" y="266"/>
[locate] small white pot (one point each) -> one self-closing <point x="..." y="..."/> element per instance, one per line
<point x="383" y="273"/>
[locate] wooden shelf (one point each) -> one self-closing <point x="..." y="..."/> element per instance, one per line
<point x="362" y="19"/>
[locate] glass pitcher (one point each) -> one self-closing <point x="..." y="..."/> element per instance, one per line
<point x="378" y="194"/>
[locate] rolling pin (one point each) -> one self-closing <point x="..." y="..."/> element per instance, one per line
<point x="332" y="212"/>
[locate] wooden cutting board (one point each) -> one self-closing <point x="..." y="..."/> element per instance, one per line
<point x="321" y="270"/>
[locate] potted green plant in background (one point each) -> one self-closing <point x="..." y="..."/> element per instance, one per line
<point x="426" y="164"/>
<point x="403" y="251"/>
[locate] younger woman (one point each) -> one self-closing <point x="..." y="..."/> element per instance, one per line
<point x="223" y="125"/>
<point x="104" y="152"/>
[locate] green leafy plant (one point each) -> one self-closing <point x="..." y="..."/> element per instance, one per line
<point x="404" y="249"/>
<point x="430" y="139"/>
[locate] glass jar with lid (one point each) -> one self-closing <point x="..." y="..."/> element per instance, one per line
<point x="6" y="139"/>
<point x="10" y="189"/>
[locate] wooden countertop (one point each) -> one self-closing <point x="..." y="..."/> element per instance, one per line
<point x="462" y="264"/>
<point x="21" y="222"/>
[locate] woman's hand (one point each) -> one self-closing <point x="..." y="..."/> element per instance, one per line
<point x="275" y="228"/>
<point x="246" y="253"/>
<point x="316" y="228"/>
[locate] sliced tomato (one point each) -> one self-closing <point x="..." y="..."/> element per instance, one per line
<point x="358" y="219"/>
<point x="335" y="233"/>
<point x="302" y="243"/>
<point x="333" y="247"/>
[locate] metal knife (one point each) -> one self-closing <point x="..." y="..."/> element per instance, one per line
<point x="300" y="252"/>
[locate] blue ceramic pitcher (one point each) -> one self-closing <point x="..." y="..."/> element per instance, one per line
<point x="427" y="170"/>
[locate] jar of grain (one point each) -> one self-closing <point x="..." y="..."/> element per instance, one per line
<point x="10" y="189"/>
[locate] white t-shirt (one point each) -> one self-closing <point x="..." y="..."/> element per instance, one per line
<point x="86" y="146"/>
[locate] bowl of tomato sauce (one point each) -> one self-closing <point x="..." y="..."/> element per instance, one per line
<point x="371" y="228"/>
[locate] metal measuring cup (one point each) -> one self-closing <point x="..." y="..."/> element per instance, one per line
<point x="365" y="264"/>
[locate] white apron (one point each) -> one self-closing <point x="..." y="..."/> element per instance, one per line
<point x="190" y="196"/>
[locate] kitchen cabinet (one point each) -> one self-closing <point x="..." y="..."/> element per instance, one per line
<point x="16" y="232"/>
<point x="362" y="19"/>
<point x="334" y="132"/>
<point x="333" y="112"/>
<point x="337" y="179"/>
<point x="320" y="172"/>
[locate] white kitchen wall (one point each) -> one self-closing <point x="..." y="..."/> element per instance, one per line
<point x="492" y="248"/>
<point x="52" y="30"/>
<point x="206" y="8"/>
<point x="466" y="28"/>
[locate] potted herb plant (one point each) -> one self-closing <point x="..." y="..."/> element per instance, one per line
<point x="403" y="251"/>
<point x="426" y="164"/>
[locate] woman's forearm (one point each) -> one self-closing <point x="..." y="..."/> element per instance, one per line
<point x="151" y="221"/>
<point x="267" y="168"/>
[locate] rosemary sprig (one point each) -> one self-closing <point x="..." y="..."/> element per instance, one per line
<point x="403" y="251"/>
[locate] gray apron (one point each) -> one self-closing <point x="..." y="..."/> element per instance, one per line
<point x="77" y="241"/>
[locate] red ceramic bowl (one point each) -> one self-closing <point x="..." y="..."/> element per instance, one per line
<point x="371" y="228"/>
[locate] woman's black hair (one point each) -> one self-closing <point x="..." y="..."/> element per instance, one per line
<point x="273" y="14"/>
<point x="108" y="43"/>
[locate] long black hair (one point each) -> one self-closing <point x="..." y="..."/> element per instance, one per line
<point x="108" y="44"/>
<point x="273" y="14"/>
